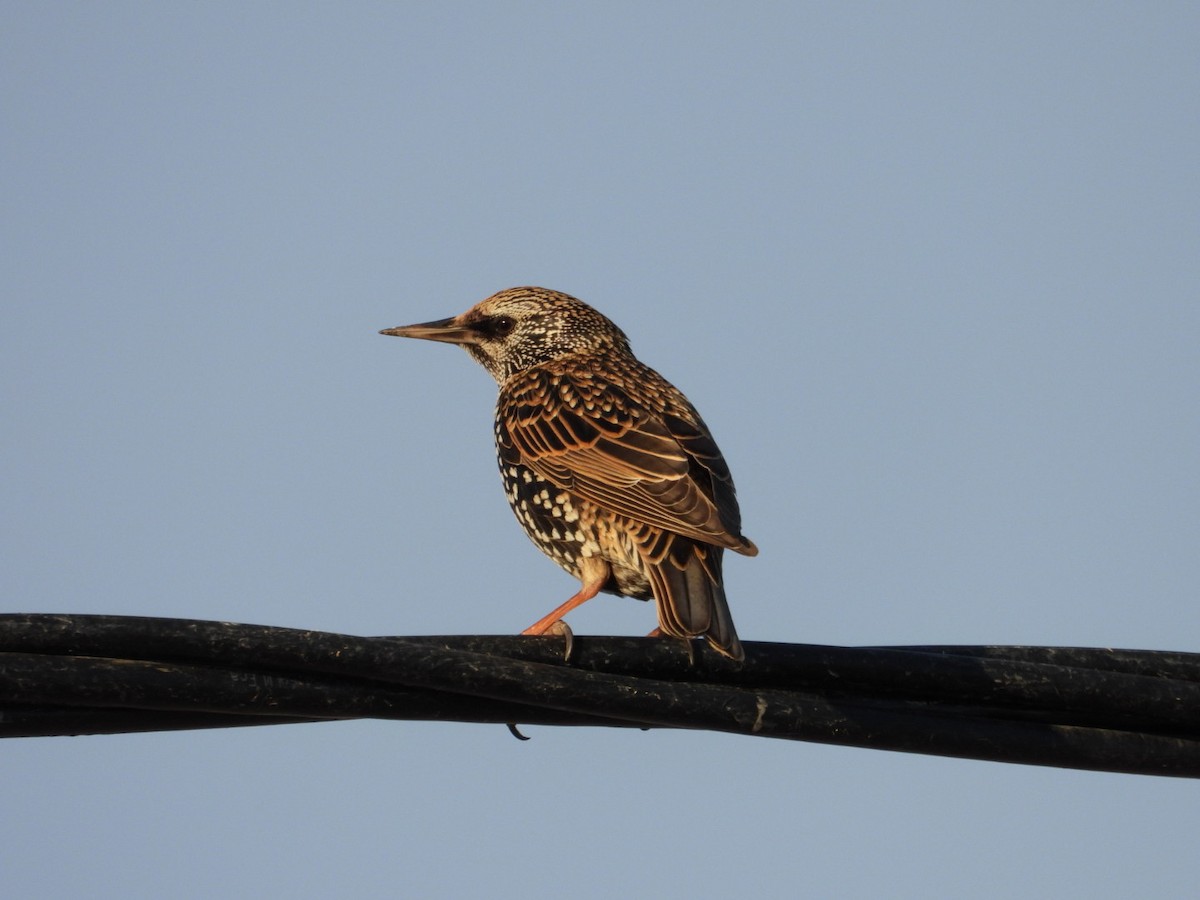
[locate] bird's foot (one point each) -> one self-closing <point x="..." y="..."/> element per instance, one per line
<point x="687" y="643"/>
<point x="559" y="628"/>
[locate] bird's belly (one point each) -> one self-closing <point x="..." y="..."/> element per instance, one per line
<point x="568" y="529"/>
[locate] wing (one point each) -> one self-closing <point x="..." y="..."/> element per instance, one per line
<point x="590" y="436"/>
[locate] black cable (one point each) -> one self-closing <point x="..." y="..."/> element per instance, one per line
<point x="1115" y="710"/>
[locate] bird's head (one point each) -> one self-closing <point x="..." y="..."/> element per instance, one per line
<point x="522" y="327"/>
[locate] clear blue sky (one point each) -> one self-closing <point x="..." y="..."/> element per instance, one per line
<point x="929" y="271"/>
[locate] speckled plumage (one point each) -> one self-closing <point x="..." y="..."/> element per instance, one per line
<point x="608" y="467"/>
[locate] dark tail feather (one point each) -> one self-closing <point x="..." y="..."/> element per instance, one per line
<point x="721" y="634"/>
<point x="691" y="600"/>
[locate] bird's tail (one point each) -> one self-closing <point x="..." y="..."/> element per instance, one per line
<point x="690" y="597"/>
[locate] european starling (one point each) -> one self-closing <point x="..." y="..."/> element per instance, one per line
<point x="608" y="467"/>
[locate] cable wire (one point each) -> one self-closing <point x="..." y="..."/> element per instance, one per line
<point x="1088" y="708"/>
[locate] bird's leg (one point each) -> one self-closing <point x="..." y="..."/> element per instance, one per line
<point x="543" y="625"/>
<point x="595" y="577"/>
<point x="586" y="593"/>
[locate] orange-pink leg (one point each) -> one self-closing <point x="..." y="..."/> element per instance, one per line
<point x="586" y="593"/>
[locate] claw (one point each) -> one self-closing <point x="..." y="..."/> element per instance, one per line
<point x="687" y="643"/>
<point x="563" y="630"/>
<point x="516" y="732"/>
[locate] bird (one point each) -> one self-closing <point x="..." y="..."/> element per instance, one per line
<point x="608" y="467"/>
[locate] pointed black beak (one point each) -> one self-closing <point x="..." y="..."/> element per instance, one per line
<point x="448" y="331"/>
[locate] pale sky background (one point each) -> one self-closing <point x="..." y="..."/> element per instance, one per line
<point x="929" y="271"/>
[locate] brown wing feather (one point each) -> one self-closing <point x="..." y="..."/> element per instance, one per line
<point x="593" y="439"/>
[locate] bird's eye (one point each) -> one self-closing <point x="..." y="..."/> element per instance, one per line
<point x="502" y="325"/>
